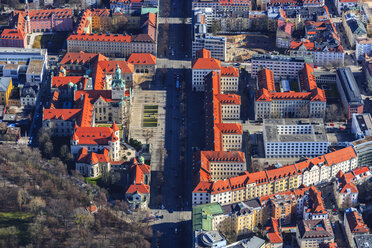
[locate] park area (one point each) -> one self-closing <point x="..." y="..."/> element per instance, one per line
<point x="52" y="42"/>
<point x="16" y="224"/>
<point x="150" y="116"/>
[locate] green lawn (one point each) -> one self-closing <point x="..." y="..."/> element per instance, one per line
<point x="15" y="223"/>
<point x="93" y="180"/>
<point x="150" y="116"/>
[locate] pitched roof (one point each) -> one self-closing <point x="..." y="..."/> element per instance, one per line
<point x="340" y="155"/>
<point x="142" y="59"/>
<point x="13" y="34"/>
<point x="94" y="135"/>
<point x="273" y="232"/>
<point x="61" y="114"/>
<point x="206" y="64"/>
<point x="101" y="37"/>
<point x="315" y="229"/>
<point x="229" y="71"/>
<point x="356" y="223"/>
<point x="266" y="80"/>
<point x="109" y="67"/>
<point x="92" y="157"/>
<point x="228" y="98"/>
<point x="229" y="128"/>
<point x="307" y="78"/>
<point x="81" y="58"/>
<point x="59" y="81"/>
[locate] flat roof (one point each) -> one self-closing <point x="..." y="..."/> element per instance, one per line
<point x="349" y="85"/>
<point x="363" y="241"/>
<point x="35" y="67"/>
<point x="284" y="58"/>
<point x="271" y="130"/>
<point x="364" y="121"/>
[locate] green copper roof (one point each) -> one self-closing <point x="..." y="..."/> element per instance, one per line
<point x="202" y="216"/>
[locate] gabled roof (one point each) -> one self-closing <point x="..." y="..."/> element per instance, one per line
<point x="81" y="58"/>
<point x="58" y="81"/>
<point x="265" y="79"/>
<point x="61" y="114"/>
<point x="142" y="59"/>
<point x="101" y="37"/>
<point x="92" y="157"/>
<point x="94" y="135"/>
<point x="229" y="128"/>
<point x="109" y="67"/>
<point x="340" y="155"/>
<point x="13" y="34"/>
<point x="206" y="64"/>
<point x="229" y="71"/>
<point x="356" y="223"/>
<point x="307" y="78"/>
<point x="228" y="98"/>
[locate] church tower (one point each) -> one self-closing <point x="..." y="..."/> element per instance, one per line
<point x="118" y="86"/>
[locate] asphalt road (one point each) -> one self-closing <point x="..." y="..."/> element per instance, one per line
<point x="176" y="190"/>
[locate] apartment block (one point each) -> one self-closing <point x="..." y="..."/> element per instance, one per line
<point x="354" y="226"/>
<point x="270" y="103"/>
<point x="282" y="66"/>
<point x="350" y="95"/>
<point x="294" y="138"/>
<point x="312" y="233"/>
<point x="13" y="38"/>
<point x="229" y="79"/>
<point x="363" y="46"/>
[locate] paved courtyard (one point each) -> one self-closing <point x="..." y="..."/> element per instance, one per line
<point x="152" y="135"/>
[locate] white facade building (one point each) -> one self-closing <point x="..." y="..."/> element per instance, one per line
<point x="294" y="138"/>
<point x="363" y="46"/>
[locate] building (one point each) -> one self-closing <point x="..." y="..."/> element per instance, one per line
<point x="13" y="38"/>
<point x="354" y="226"/>
<point x="28" y="95"/>
<point x="6" y="87"/>
<point x="42" y="20"/>
<point x="138" y="192"/>
<point x="274" y="233"/>
<point x="209" y="239"/>
<point x="282" y="66"/>
<point x="312" y="233"/>
<point x="361" y="125"/>
<point x="253" y="242"/>
<point x="93" y="164"/>
<point x="354" y="28"/>
<point x="294" y="138"/>
<point x="282" y="206"/>
<point x="201" y="67"/>
<point x="243" y="217"/>
<point x="219" y="165"/>
<point x="132" y="6"/>
<point x="229" y="79"/>
<point x="322" y="43"/>
<point x="344" y="5"/>
<point x="207" y="217"/>
<point x="27" y="63"/>
<point x="273" y="180"/>
<point x="309" y="102"/>
<point x="363" y="148"/>
<point x="349" y="92"/>
<point x="230" y="106"/>
<point x="363" y="241"/>
<point x="346" y="193"/>
<point x="95" y="139"/>
<point x="363" y="46"/>
<point x="217" y="45"/>
<point x="144" y="63"/>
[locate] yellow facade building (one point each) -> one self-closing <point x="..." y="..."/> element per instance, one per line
<point x="6" y="87"/>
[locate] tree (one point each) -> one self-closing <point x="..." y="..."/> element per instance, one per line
<point x="36" y="204"/>
<point x="226" y="229"/>
<point x="216" y="27"/>
<point x="148" y="134"/>
<point x="64" y="154"/>
<point x="22" y="198"/>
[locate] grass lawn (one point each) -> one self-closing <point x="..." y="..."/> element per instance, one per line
<point x="150" y="116"/>
<point x="110" y="125"/>
<point x="93" y="180"/>
<point x="52" y="42"/>
<point x="15" y="223"/>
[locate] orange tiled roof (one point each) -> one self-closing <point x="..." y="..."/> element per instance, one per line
<point x="109" y="67"/>
<point x="228" y="98"/>
<point x="101" y="37"/>
<point x="59" y="81"/>
<point x="281" y="173"/>
<point x="61" y="114"/>
<point x="39" y="14"/>
<point x="94" y="135"/>
<point x="266" y="80"/>
<point x="92" y="157"/>
<point x="356" y="223"/>
<point x="203" y="187"/>
<point x="100" y="12"/>
<point x="229" y="71"/>
<point x="81" y="58"/>
<point x="340" y="155"/>
<point x="360" y="170"/>
<point x="274" y="234"/>
<point x="315" y="95"/>
<point x="142" y="59"/>
<point x="13" y="34"/>
<point x="307" y="78"/>
<point x="220" y="186"/>
<point x="203" y="53"/>
<point x="229" y="128"/>
<point x="206" y="64"/>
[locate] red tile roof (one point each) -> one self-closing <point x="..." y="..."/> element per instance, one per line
<point x="315" y="95"/>
<point x="206" y="64"/>
<point x="81" y="58"/>
<point x="229" y="71"/>
<point x="356" y="223"/>
<point x="266" y="80"/>
<point x="13" y="34"/>
<point x="229" y="128"/>
<point x="142" y="59"/>
<point x="101" y="37"/>
<point x="273" y="232"/>
<point x="220" y="186"/>
<point x="39" y="14"/>
<point x="307" y="78"/>
<point x="109" y="67"/>
<point x="59" y="81"/>
<point x="340" y="155"/>
<point x="62" y="114"/>
<point x="92" y="157"/>
<point x="228" y="98"/>
<point x="203" y="53"/>
<point x="281" y="173"/>
<point x="95" y="135"/>
<point x="360" y="170"/>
